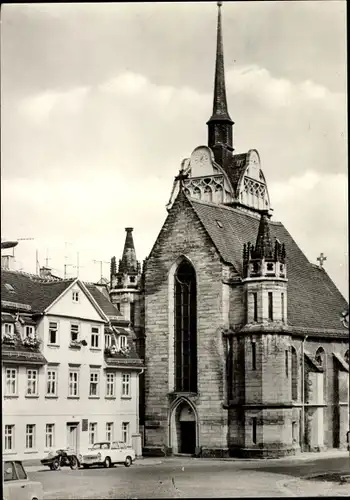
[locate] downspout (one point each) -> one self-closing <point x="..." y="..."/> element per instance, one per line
<point x="302" y="422"/>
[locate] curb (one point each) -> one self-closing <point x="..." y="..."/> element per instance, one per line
<point x="42" y="468"/>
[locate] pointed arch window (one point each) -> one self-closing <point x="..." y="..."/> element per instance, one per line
<point x="208" y="194"/>
<point x="185" y="328"/>
<point x="219" y="194"/>
<point x="197" y="193"/>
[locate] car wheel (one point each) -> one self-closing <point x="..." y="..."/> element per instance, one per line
<point x="55" y="465"/>
<point x="128" y="461"/>
<point x="107" y="463"/>
<point x="74" y="464"/>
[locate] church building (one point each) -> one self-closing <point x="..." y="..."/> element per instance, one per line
<point x="246" y="353"/>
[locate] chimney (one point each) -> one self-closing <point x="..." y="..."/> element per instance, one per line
<point x="45" y="272"/>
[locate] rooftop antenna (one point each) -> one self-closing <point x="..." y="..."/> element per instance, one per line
<point x="101" y="262"/>
<point x="78" y="266"/>
<point x="47" y="258"/>
<point x="66" y="265"/>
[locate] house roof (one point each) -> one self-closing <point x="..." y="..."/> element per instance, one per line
<point x="105" y="304"/>
<point x="31" y="289"/>
<point x="313" y="300"/>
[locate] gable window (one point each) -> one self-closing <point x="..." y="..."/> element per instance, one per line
<point x="75" y="296"/>
<point x="95" y="337"/>
<point x="185" y="328"/>
<point x="29" y="331"/>
<point x="53" y="333"/>
<point x="9" y="441"/>
<point x="122" y="342"/>
<point x="74" y="333"/>
<point x="11" y="382"/>
<point x="94" y="381"/>
<point x="73" y="383"/>
<point x="51" y="382"/>
<point x="8" y="329"/>
<point x="92" y="432"/>
<point x="50" y="436"/>
<point x="30" y="436"/>
<point x="32" y="382"/>
<point x="110" y="385"/>
<point x="270" y="302"/>
<point x="126" y="385"/>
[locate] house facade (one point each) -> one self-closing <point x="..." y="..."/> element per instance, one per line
<point x="70" y="370"/>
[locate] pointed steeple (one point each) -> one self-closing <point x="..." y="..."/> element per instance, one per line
<point x="220" y="123"/>
<point x="263" y="247"/>
<point x="128" y="262"/>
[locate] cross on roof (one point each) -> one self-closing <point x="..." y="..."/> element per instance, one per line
<point x="321" y="259"/>
<point x="181" y="177"/>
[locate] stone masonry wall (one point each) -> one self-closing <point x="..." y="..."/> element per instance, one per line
<point x="183" y="235"/>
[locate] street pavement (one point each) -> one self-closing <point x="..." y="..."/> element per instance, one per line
<point x="189" y="477"/>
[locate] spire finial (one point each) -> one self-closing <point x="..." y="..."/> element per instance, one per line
<point x="220" y="123"/>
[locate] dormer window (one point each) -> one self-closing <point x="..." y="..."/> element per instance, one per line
<point x="122" y="342"/>
<point x="29" y="332"/>
<point x="9" y="288"/>
<point x="75" y="296"/>
<point x="8" y="328"/>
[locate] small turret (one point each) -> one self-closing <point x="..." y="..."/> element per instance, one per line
<point x="265" y="277"/>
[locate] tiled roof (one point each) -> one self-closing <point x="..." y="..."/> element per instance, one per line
<point x="105" y="304"/>
<point x="313" y="299"/>
<point x="30" y="289"/>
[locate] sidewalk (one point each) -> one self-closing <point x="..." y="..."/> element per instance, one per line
<point x="297" y="487"/>
<point x="36" y="465"/>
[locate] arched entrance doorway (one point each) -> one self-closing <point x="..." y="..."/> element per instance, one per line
<point x="183" y="429"/>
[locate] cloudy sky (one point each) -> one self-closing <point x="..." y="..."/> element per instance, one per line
<point x="101" y="102"/>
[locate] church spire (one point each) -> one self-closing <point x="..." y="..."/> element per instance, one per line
<point x="128" y="262"/>
<point x="220" y="123"/>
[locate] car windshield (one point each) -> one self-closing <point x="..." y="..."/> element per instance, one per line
<point x="9" y="471"/>
<point x="100" y="446"/>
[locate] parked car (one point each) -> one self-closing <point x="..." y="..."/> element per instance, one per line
<point x="16" y="484"/>
<point x="107" y="453"/>
<point x="61" y="458"/>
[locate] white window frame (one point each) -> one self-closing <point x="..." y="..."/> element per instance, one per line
<point x="126" y="385"/>
<point x="73" y="382"/>
<point x="8" y="328"/>
<point x="95" y="380"/>
<point x="9" y="437"/>
<point x="74" y="328"/>
<point x="32" y="428"/>
<point x="125" y="432"/>
<point x="92" y="432"/>
<point x="123" y="342"/>
<point x="53" y="327"/>
<point x="49" y="435"/>
<point x="95" y="336"/>
<point x="110" y="385"/>
<point x="108" y="340"/>
<point x="29" y="331"/>
<point x="109" y="431"/>
<point x="51" y="382"/>
<point x="75" y="296"/>
<point x="11" y="381"/>
<point x="32" y="382"/>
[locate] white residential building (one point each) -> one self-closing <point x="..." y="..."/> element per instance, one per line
<point x="70" y="370"/>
